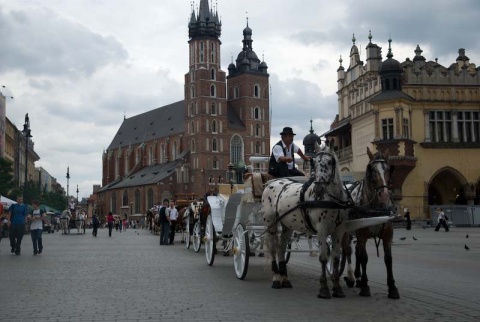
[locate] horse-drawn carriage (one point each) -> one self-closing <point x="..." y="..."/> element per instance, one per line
<point x="262" y="217"/>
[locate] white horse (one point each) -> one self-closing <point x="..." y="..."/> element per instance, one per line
<point x="65" y="222"/>
<point x="317" y="206"/>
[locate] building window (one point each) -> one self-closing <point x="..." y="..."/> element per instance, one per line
<point x="406" y="132"/>
<point x="236" y="92"/>
<point x="214" y="126"/>
<point x="215" y="163"/>
<point x="387" y="128"/>
<point x="257" y="130"/>
<point x="174" y="151"/>
<point x="258" y="148"/>
<point x="125" y="198"/>
<point x="212" y="72"/>
<point x="137" y="201"/>
<point x="193" y="127"/>
<point x="192" y="75"/>
<point x="201" y="52"/>
<point x="214" y="108"/>
<point x="192" y="91"/>
<point x="212" y="52"/>
<point x="113" y="206"/>
<point x="257" y="114"/>
<point x="212" y="90"/>
<point x="256" y="91"/>
<point x="193" y="146"/>
<point x="468" y="126"/>
<point x="150" y="198"/>
<point x="440" y="126"/>
<point x="214" y="145"/>
<point x="236" y="149"/>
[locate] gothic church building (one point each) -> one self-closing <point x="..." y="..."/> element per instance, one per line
<point x="184" y="149"/>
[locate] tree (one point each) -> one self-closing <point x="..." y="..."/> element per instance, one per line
<point x="7" y="183"/>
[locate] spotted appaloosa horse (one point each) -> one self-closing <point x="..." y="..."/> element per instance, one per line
<point x="373" y="193"/>
<point x="313" y="207"/>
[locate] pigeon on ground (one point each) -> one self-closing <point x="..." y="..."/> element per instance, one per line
<point x="414" y="238"/>
<point x="403" y="238"/>
<point x="467" y="248"/>
<point x="466" y="236"/>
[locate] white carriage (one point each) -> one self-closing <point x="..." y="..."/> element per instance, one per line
<point x="236" y="224"/>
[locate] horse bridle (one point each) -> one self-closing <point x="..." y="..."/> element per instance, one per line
<point x="314" y="166"/>
<point x="378" y="188"/>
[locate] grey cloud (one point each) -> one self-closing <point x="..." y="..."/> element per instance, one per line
<point x="53" y="46"/>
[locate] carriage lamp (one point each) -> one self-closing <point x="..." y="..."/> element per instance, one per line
<point x="27" y="132"/>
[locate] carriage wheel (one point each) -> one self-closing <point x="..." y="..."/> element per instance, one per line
<point x="197" y="237"/>
<point x="210" y="241"/>
<point x="241" y="251"/>
<point x="343" y="259"/>
<point x="187" y="236"/>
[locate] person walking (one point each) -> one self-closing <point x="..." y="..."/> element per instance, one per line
<point x="173" y="214"/>
<point x="164" y="222"/>
<point x="18" y="215"/>
<point x="110" y="221"/>
<point x="282" y="159"/>
<point x="95" y="224"/>
<point x="442" y="220"/>
<point x="36" y="227"/>
<point x="408" y="220"/>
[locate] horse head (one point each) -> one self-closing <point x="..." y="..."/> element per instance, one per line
<point x="378" y="178"/>
<point x="324" y="165"/>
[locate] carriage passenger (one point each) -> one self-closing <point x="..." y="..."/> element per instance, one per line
<point x="282" y="159"/>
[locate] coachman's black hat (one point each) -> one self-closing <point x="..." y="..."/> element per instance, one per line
<point x="287" y="130"/>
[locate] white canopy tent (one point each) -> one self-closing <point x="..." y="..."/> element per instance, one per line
<point x="6" y="202"/>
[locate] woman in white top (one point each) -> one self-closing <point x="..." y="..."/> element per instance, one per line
<point x="36" y="228"/>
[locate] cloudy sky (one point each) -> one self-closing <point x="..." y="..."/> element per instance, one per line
<point x="78" y="66"/>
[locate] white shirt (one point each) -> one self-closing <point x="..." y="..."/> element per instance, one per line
<point x="36" y="220"/>
<point x="278" y="152"/>
<point x="173" y="212"/>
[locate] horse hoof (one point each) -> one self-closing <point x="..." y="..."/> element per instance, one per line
<point x="287" y="284"/>
<point x="324" y="293"/>
<point x="393" y="294"/>
<point x="338" y="292"/>
<point x="276" y="285"/>
<point x="365" y="291"/>
<point x="349" y="283"/>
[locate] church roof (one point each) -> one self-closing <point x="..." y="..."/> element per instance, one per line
<point x="158" y="123"/>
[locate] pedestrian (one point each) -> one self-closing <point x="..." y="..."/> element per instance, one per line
<point x="164" y="220"/>
<point x="173" y="213"/>
<point x="282" y="160"/>
<point x="408" y="220"/>
<point x="442" y="220"/>
<point x="3" y="224"/>
<point x="110" y="221"/>
<point x="17" y="218"/>
<point x="95" y="224"/>
<point x="36" y="227"/>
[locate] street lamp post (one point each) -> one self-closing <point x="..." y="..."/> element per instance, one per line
<point x="77" y="196"/>
<point x="26" y="131"/>
<point x="68" y="178"/>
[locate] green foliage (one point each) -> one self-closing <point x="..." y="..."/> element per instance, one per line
<point x="7" y="183"/>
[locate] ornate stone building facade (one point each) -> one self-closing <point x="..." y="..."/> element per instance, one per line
<point x="185" y="148"/>
<point x="425" y="116"/>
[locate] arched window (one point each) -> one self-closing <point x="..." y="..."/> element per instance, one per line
<point x="201" y="52"/>
<point x="214" y="126"/>
<point x="257" y="113"/>
<point x="149" y="198"/>
<point x="193" y="146"/>
<point x="236" y="92"/>
<point x="174" y="151"/>
<point x="125" y="198"/>
<point x="236" y="149"/>
<point x="257" y="130"/>
<point x="215" y="163"/>
<point x="214" y="108"/>
<point x="258" y="148"/>
<point x="192" y="75"/>
<point x="137" y="201"/>
<point x="193" y="127"/>
<point x="113" y="204"/>
<point x="162" y="153"/>
<point x="212" y="52"/>
<point x="192" y="91"/>
<point x="256" y="91"/>
<point x="214" y="144"/>
<point x="212" y="90"/>
<point x="212" y="73"/>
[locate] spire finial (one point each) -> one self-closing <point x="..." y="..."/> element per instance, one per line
<point x="263" y="55"/>
<point x="353" y="39"/>
<point x="311" y="126"/>
<point x="370" y="36"/>
<point x="124" y="115"/>
<point x="231" y="55"/>
<point x="246" y="13"/>
<point x="389" y="55"/>
<point x="340" y="60"/>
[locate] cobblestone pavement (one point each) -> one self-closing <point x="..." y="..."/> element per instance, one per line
<point x="130" y="277"/>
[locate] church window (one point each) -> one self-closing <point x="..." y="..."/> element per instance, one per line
<point x="258" y="148"/>
<point x="236" y="149"/>
<point x="214" y="126"/>
<point x="125" y="198"/>
<point x="214" y="108"/>
<point x="137" y="201"/>
<point x="257" y="113"/>
<point x="192" y="91"/>
<point x="257" y="130"/>
<point x="174" y="151"/>
<point x="214" y="145"/>
<point x="212" y="74"/>
<point x="256" y="91"/>
<point x="212" y="90"/>
<point x="236" y="92"/>
<point x="201" y="52"/>
<point x="215" y="163"/>
<point x="150" y="198"/>
<point x="113" y="203"/>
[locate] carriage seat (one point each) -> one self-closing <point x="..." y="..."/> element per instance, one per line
<point x="259" y="181"/>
